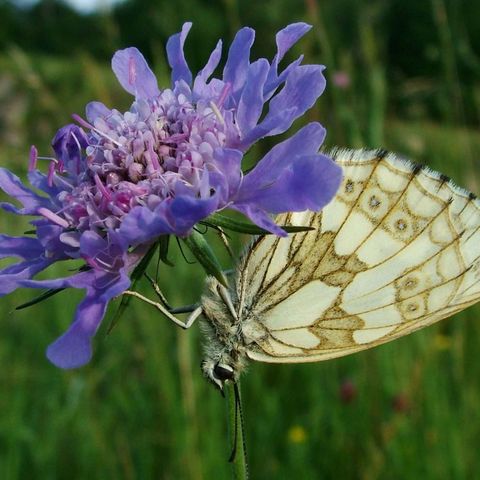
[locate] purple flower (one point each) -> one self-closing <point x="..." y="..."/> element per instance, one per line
<point x="120" y="180"/>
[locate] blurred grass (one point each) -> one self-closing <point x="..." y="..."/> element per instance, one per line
<point x="141" y="409"/>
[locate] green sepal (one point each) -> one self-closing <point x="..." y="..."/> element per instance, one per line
<point x="219" y="220"/>
<point x="163" y="244"/>
<point x="204" y="254"/>
<point x="136" y="275"/>
<point x="49" y="293"/>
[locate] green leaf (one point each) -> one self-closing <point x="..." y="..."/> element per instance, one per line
<point x="136" y="275"/>
<point x="204" y="254"/>
<point x="49" y="293"/>
<point x="219" y="220"/>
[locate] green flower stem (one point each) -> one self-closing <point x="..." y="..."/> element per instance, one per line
<point x="236" y="433"/>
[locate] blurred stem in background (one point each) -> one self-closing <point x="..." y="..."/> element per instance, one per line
<point x="236" y="431"/>
<point x="452" y="104"/>
<point x="190" y="401"/>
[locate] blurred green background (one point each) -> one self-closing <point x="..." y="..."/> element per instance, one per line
<point x="403" y="75"/>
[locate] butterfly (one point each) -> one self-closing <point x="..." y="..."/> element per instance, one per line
<point x="397" y="249"/>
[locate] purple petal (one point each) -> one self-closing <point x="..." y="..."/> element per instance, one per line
<point x="142" y="224"/>
<point x="12" y="186"/>
<point x="79" y="280"/>
<point x="274" y="80"/>
<point x="204" y="74"/>
<point x="306" y="141"/>
<point x="302" y="88"/>
<point x="176" y="56"/>
<point x="287" y="37"/>
<point x="40" y="181"/>
<point x="251" y="101"/>
<point x="177" y="217"/>
<point x="94" y="110"/>
<point x="49" y="237"/>
<point x="13" y="276"/>
<point x="91" y="244"/>
<point x="187" y="211"/>
<point x="309" y="183"/>
<point x="134" y="74"/>
<point x="69" y="144"/>
<point x="73" y="349"/>
<point x="22" y="247"/>
<point x="238" y="61"/>
<point x="260" y="218"/>
<point x="228" y="162"/>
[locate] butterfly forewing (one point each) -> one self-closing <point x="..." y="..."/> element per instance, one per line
<point x="397" y="249"/>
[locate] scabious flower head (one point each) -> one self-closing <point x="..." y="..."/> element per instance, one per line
<point x="117" y="181"/>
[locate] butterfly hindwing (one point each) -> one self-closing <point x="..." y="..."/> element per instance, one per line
<point x="398" y="248"/>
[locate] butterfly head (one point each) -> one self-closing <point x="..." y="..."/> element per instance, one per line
<point x="218" y="373"/>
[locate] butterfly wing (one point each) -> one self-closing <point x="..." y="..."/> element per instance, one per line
<point x="397" y="249"/>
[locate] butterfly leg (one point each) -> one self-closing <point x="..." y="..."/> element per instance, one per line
<point x="159" y="306"/>
<point x="157" y="291"/>
<point x="195" y="309"/>
<point x="193" y="316"/>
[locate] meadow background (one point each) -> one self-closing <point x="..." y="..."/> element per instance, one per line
<point x="403" y="75"/>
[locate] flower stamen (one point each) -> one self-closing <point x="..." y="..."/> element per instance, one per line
<point x="217" y="113"/>
<point x="85" y="124"/>
<point x="53" y="217"/>
<point x="224" y="94"/>
<point x="32" y="163"/>
<point x="103" y="190"/>
<point x="132" y="72"/>
<point x="51" y="172"/>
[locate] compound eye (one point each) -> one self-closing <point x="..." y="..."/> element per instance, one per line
<point x="223" y="372"/>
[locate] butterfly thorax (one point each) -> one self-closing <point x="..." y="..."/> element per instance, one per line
<point x="226" y="341"/>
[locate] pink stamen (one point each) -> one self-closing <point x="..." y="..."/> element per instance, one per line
<point x="53" y="217"/>
<point x="96" y="130"/>
<point x="101" y="187"/>
<point x="103" y="134"/>
<point x="132" y="71"/>
<point x="32" y="164"/>
<point x="51" y="173"/>
<point x="82" y="122"/>
<point x="153" y="157"/>
<point x="226" y="90"/>
<point x="91" y="262"/>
